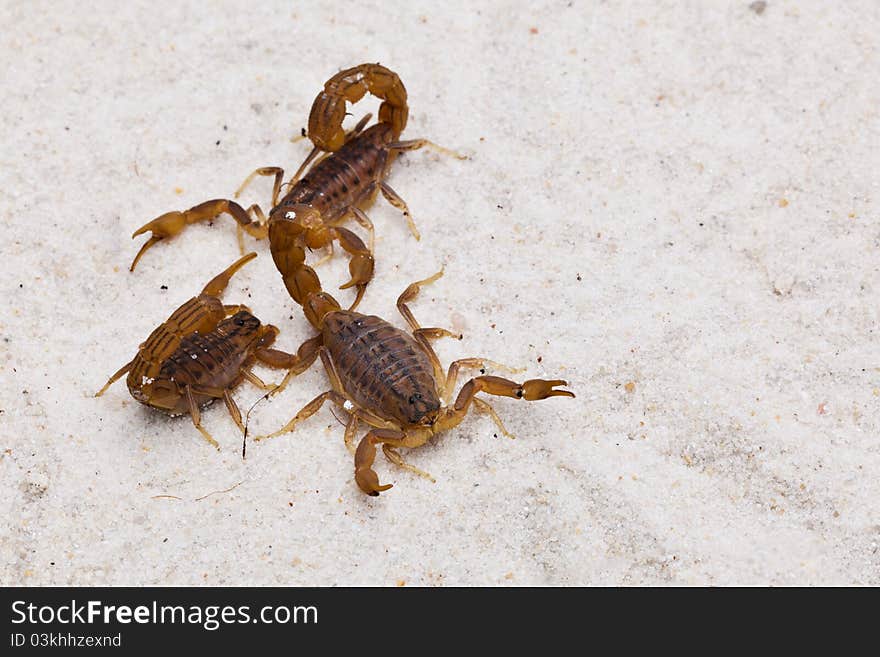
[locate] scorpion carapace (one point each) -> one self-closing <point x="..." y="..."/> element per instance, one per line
<point x="200" y="353"/>
<point x="335" y="188"/>
<point x="393" y="381"/>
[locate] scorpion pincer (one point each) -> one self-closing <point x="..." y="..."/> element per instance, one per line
<point x="200" y="353"/>
<point x="393" y="381"/>
<point x="334" y="189"/>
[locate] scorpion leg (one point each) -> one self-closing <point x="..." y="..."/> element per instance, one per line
<point x="307" y="411"/>
<point x="394" y="199"/>
<point x="257" y="381"/>
<point x="295" y="365"/>
<point x="351" y="428"/>
<point x="484" y="407"/>
<point x="197" y="417"/>
<point x="359" y="127"/>
<point x="354" y="414"/>
<point x="232" y="407"/>
<point x="326" y="257"/>
<point x="364" y="222"/>
<point x="115" y="377"/>
<point x="416" y="144"/>
<point x="278" y="172"/>
<point x="531" y="390"/>
<point x="409" y="294"/>
<point x="302" y="167"/>
<point x="422" y="335"/>
<point x="253" y="211"/>
<point x="332" y="373"/>
<point x="394" y="456"/>
<point x="336" y="396"/>
<point x="172" y="223"/>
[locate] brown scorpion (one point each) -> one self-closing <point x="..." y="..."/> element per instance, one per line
<point x="200" y="353"/>
<point x="393" y="381"/>
<point x="334" y="188"/>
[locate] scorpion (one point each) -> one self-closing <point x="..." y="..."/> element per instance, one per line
<point x="200" y="353"/>
<point x="394" y="382"/>
<point x="334" y="188"/>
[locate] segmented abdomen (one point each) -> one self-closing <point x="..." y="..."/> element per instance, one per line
<point x="214" y="359"/>
<point x="381" y="368"/>
<point x="344" y="178"/>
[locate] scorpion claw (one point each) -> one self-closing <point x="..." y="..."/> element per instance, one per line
<point x="166" y="225"/>
<point x="535" y="389"/>
<point x="150" y="242"/>
<point x="361" y="268"/>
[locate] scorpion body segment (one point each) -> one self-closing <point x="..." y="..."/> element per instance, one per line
<point x="381" y="367"/>
<point x="201" y="352"/>
<point x="329" y="109"/>
<point x="393" y="381"/>
<point x="338" y="183"/>
<point x="212" y="360"/>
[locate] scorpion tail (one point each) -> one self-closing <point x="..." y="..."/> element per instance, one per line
<point x="317" y="306"/>
<point x="350" y="85"/>
<point x="290" y="259"/>
<point x="301" y="281"/>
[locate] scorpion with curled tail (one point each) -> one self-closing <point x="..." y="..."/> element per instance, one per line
<point x="335" y="188"/>
<point x="392" y="380"/>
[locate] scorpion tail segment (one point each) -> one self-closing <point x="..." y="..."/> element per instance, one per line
<point x="535" y="389"/>
<point x="325" y="122"/>
<point x="302" y="284"/>
<point x="328" y="110"/>
<point x="366" y="478"/>
<point x="317" y="306"/>
<point x="286" y="238"/>
<point x="386" y="84"/>
<point x="217" y="284"/>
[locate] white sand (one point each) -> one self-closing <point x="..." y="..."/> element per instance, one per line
<point x="673" y="205"/>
